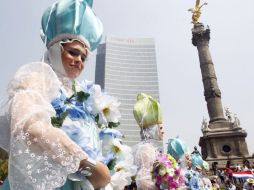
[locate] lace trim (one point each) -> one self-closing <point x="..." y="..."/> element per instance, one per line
<point x="41" y="156"/>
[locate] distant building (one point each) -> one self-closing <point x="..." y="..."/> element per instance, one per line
<point x="124" y="68"/>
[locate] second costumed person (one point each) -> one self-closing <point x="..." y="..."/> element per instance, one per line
<point x="156" y="171"/>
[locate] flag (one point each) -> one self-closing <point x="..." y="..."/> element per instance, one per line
<point x="243" y="174"/>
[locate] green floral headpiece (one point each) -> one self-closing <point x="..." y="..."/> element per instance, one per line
<point x="147" y="111"/>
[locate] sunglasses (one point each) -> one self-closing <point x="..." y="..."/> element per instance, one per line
<point x="75" y="53"/>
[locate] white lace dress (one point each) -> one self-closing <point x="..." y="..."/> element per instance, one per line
<point x="40" y="155"/>
<point x="145" y="154"/>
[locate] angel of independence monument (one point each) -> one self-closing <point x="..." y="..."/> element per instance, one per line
<point x="223" y="139"/>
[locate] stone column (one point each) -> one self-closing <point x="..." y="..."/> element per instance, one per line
<point x="212" y="93"/>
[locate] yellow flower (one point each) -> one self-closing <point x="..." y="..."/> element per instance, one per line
<point x="116" y="149"/>
<point x="171" y="158"/>
<point x="116" y="146"/>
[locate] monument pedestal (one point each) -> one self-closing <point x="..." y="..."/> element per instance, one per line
<point x="222" y="141"/>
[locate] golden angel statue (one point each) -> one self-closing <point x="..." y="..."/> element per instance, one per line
<point x="196" y="12"/>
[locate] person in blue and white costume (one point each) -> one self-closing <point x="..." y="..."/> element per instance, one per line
<point x="52" y="118"/>
<point x="179" y="150"/>
<point x="191" y="163"/>
<point x="147" y="113"/>
<point x="196" y="175"/>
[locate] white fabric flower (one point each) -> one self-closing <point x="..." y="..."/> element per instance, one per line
<point x="124" y="169"/>
<point x="106" y="106"/>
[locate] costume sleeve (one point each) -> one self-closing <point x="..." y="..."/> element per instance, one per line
<point x="41" y="156"/>
<point x="145" y="155"/>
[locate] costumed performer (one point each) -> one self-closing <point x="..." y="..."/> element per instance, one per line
<point x="179" y="150"/>
<point x="147" y="113"/>
<point x="197" y="175"/>
<point x="53" y="119"/>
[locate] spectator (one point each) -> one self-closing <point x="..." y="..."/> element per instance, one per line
<point x="229" y="185"/>
<point x="214" y="182"/>
<point x="249" y="184"/>
<point x="246" y="165"/>
<point x="214" y="167"/>
<point x="228" y="170"/>
<point x="238" y="168"/>
<point x="220" y="173"/>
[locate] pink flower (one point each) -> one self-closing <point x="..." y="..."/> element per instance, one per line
<point x="177" y="172"/>
<point x="166" y="173"/>
<point x="173" y="185"/>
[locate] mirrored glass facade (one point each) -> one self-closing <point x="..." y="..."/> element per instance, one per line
<point x="124" y="68"/>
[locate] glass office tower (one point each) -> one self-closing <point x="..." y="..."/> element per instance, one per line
<point x="124" y="68"/>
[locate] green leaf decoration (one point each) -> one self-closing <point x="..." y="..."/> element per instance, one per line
<point x="74" y="87"/>
<point x="68" y="100"/>
<point x="58" y="121"/>
<point x="96" y="118"/>
<point x="82" y="96"/>
<point x="111" y="164"/>
<point x="113" y="125"/>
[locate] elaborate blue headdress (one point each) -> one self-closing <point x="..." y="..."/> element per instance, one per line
<point x="176" y="147"/>
<point x="71" y="19"/>
<point x="196" y="160"/>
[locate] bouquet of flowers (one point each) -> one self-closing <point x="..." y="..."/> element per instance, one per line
<point x="118" y="157"/>
<point x="87" y="103"/>
<point x="166" y="173"/>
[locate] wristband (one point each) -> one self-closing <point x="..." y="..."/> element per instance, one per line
<point x="83" y="172"/>
<point x="87" y="170"/>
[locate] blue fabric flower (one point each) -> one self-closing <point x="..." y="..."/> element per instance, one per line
<point x="76" y="133"/>
<point x="110" y="133"/>
<point x="79" y="135"/>
<point x="59" y="103"/>
<point x="106" y="159"/>
<point x="92" y="152"/>
<point x="76" y="112"/>
<point x="188" y="176"/>
<point x="74" y="108"/>
<point x="194" y="181"/>
<point x="86" y="86"/>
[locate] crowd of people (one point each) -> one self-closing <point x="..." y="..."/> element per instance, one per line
<point x="236" y="175"/>
<point x="63" y="133"/>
